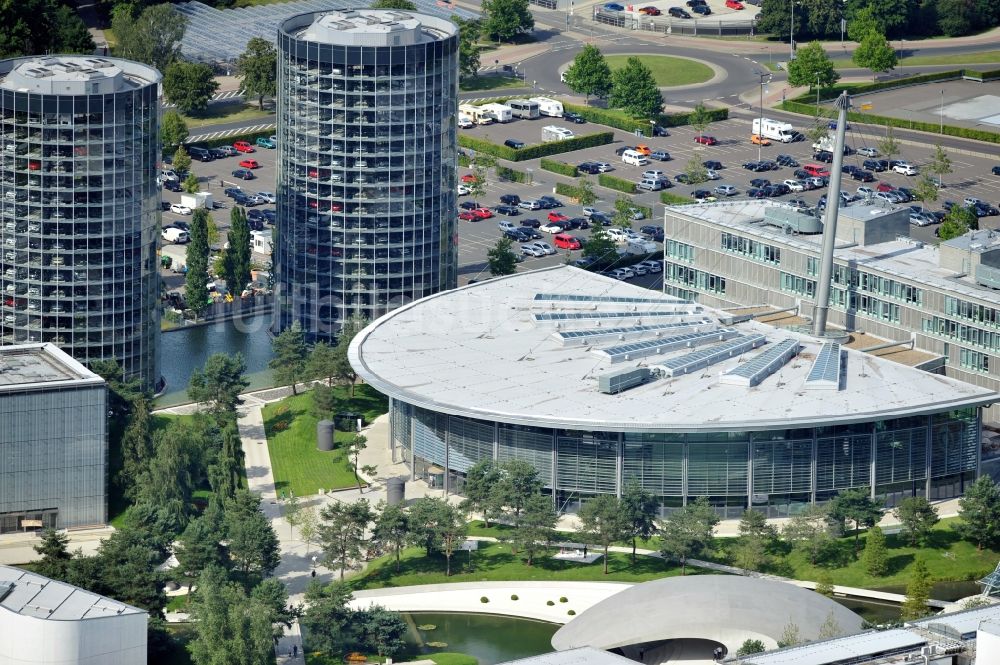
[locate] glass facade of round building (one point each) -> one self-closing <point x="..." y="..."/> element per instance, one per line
<point x="367" y="156"/>
<point x="80" y="207"/>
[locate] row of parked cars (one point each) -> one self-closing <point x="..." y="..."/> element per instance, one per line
<point x="635" y="270"/>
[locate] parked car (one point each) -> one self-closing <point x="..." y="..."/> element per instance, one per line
<point x="863" y="176"/>
<point x="265" y="142"/>
<point x="877" y="165"/>
<point x="510" y="199"/>
<point x="865" y="151"/>
<point x="996" y="170"/>
<point x="244" y="146"/>
<point x="613" y="7"/>
<point x="760" y="182"/>
<point x="508" y="210"/>
<point x="469" y="216"/>
<point x="905" y="168"/>
<point x="174" y="234"/>
<point x="179" y="209"/>
<point x="557" y="217"/>
<point x="734" y="4"/>
<point x="531" y="222"/>
<point x="650" y="11"/>
<point x="702" y="10"/>
<point x="514" y="143"/>
<point x="757" y="139"/>
<point x="243" y="174"/>
<point x="795" y="185"/>
<point x="565" y="241"/>
<point x="172" y="186"/>
<point x="677" y="12"/>
<point x="468" y="205"/>
<point x="530" y="204"/>
<point x="833" y="125"/>
<point x="575" y="118"/>
<point x="705" y="140"/>
<point x="463" y="190"/>
<point x="726" y="190"/>
<point x="824" y="156"/>
<point x="249" y="164"/>
<point x="482" y="213"/>
<point x="660" y="155"/>
<point x="702" y="196"/>
<point x="786" y="160"/>
<point x="550" y="202"/>
<point x="589" y="168"/>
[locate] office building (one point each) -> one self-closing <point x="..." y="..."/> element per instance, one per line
<point x="941" y="298"/>
<point x="46" y="622"/>
<point x="596" y="383"/>
<point x="367" y="156"/>
<point x="80" y="208"/>
<point x="53" y="441"/>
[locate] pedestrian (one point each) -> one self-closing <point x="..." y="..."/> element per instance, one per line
<point x="295" y="651"/>
<point x="584" y="551"/>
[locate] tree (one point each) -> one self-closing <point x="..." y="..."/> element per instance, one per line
<point x="750" y="647"/>
<point x="876" y="554"/>
<point x="324" y="401"/>
<point x="940" y="163"/>
<point x="308" y="527"/>
<point x="69" y="32"/>
<point x="355" y="447"/>
<point x="585" y="195"/>
<point x="980" y="513"/>
<point x="190" y="86"/>
<point x="505" y="19"/>
<point x="876" y="54"/>
<point x="699" y="119"/>
<point x="755" y="537"/>
<point x="219" y="383"/>
<point x="695" y="171"/>
<point x="926" y="190"/>
<point x="589" y="74"/>
<point x="292" y="512"/>
<point x="888" y="145"/>
<point x="865" y="22"/>
<point x="191" y="184"/>
<point x="537" y="526"/>
<point x="918" y="591"/>
<point x="916" y="517"/>
<point x="776" y="18"/>
<point x="236" y="264"/>
<point x="469" y="31"/>
<point x="809" y="531"/>
<point x="327" y="619"/>
<point x="481" y="493"/>
<point x="634" y="90"/>
<point x="830" y="627"/>
<point x="812" y="65"/>
<point x="790" y="636"/>
<point x="125" y="569"/>
<point x="687" y="532"/>
<point x="639" y="508"/>
<point x="230" y="628"/>
<point x="173" y="129"/>
<point x="199" y="548"/>
<point x="322" y="363"/>
<point x="253" y="545"/>
<point x="258" y="70"/>
<point x="501" y="259"/>
<point x="343" y="534"/>
<point x="55" y="557"/>
<point x="600" y="247"/>
<point x="289" y="362"/>
<point x="181" y="160"/>
<point x="136" y="448"/>
<point x="381" y="631"/>
<point x="344" y="371"/>
<point x="603" y="521"/>
<point x="154" y="37"/>
<point x="436" y="524"/>
<point x="518" y="483"/>
<point x="855" y="505"/>
<point x="959" y="221"/>
<point x="196" y="278"/>
<point x="224" y="473"/>
<point x="404" y="5"/>
<point x="392" y="528"/>
<point x="824" y="584"/>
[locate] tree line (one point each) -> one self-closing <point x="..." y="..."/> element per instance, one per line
<point x="34" y="27"/>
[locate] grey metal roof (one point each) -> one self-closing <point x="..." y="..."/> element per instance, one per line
<point x="854" y="648"/>
<point x="481" y="351"/>
<point x="39" y="597"/>
<point x="712" y="607"/>
<point x="825" y="372"/>
<point x="31" y="365"/>
<point x="221" y="35"/>
<point x="959" y="625"/>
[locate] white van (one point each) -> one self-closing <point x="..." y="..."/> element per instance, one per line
<point x="556" y="133"/>
<point x="465" y="121"/>
<point x="634" y="157"/>
<point x="549" y="107"/>
<point x="500" y="112"/>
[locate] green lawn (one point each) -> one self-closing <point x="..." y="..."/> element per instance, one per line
<point x="489" y="82"/>
<point x="667" y="71"/>
<point x="452" y="658"/>
<point x="177" y="603"/>
<point x="980" y="58"/>
<point x="291" y="438"/>
<point x="494" y="562"/>
<point x="234" y="112"/>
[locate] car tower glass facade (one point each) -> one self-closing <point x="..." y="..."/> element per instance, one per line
<point x="80" y="205"/>
<point x="366" y="170"/>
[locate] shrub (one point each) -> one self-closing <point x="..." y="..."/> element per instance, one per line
<point x="513" y="596"/>
<point x="484" y="599"/>
<point x="549" y="603"/>
<point x="563" y="599"/>
<point x="668" y="198"/>
<point x="463" y="160"/>
<point x="572" y="613"/>
<point x="612" y="182"/>
<point x="534" y="151"/>
<point x="511" y="175"/>
<point x="618" y="119"/>
<point x="648" y="212"/>
<point x="567" y="190"/>
<point x="562" y="168"/>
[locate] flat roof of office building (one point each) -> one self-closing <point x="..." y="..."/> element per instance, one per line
<point x="31" y="366"/>
<point x="915" y="261"/>
<point x="530" y="349"/>
<point x="31" y="595"/>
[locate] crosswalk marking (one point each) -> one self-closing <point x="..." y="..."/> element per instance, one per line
<point x="229" y="132"/>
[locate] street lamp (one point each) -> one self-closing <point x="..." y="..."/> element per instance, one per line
<point x="941" y="112"/>
<point x="760" y="126"/>
<point x="817" y="92"/>
<point x="791" y="33"/>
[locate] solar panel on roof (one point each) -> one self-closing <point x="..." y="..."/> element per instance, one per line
<point x="591" y="335"/>
<point x="583" y="298"/>
<point x="652" y="347"/>
<point x="695" y="360"/>
<point x="763" y="365"/>
<point x="579" y="316"/>
<point x="825" y="371"/>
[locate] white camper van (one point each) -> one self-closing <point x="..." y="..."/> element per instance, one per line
<point x="548" y="107"/>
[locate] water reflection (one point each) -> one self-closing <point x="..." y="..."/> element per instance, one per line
<point x="491" y="639"/>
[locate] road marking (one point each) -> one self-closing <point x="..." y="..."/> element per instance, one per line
<point x="226" y="94"/>
<point x="229" y="132"/>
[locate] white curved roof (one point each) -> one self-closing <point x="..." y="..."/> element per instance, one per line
<point x="714" y="607"/>
<point x="482" y="351"/>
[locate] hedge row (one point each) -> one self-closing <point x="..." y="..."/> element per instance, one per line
<point x="571" y="191"/>
<point x="620" y="184"/>
<point x="512" y="175"/>
<point x="562" y="168"/>
<point x="668" y="198"/>
<point x="619" y="120"/>
<point x="538" y="150"/>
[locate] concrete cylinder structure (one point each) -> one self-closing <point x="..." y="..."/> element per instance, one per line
<point x="395" y="491"/>
<point x="79" y="138"/>
<point x="324" y="435"/>
<point x="366" y="165"/>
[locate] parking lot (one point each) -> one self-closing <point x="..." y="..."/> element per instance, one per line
<point x="971" y="177"/>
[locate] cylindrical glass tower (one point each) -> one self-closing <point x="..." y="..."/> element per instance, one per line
<point x="366" y="168"/>
<point x="80" y="204"/>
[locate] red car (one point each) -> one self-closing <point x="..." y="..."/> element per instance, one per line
<point x="650" y="11"/>
<point x="705" y="140"/>
<point x="469" y="216"/>
<point x="337" y="207"/>
<point x="249" y="164"/>
<point x="557" y="217"/>
<point x="483" y="213"/>
<point x="565" y="241"/>
<point x="243" y="146"/>
<point x="884" y="187"/>
<point x="468" y="177"/>
<point x="734" y="4"/>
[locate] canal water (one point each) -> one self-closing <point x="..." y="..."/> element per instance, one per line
<point x="492" y="639"/>
<point x="879" y="612"/>
<point x="185" y="349"/>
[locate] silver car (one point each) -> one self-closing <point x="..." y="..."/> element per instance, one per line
<point x="726" y="190"/>
<point x="530" y="204"/>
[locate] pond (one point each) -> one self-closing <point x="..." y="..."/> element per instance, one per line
<point x="880" y="612"/>
<point x="490" y="638"/>
<point x="186" y="349"/>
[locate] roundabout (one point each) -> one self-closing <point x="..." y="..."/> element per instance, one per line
<point x="668" y="71"/>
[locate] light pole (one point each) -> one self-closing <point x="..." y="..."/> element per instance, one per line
<point x="817" y="93"/>
<point x="760" y="126"/>
<point x="791" y="33"/>
<point x="941" y="112"/>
